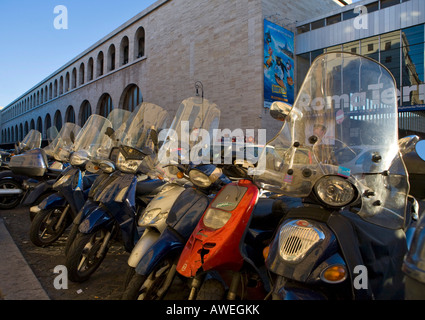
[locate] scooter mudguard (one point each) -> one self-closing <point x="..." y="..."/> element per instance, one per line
<point x="148" y="238"/>
<point x="41" y="188"/>
<point x="52" y="201"/>
<point x="169" y="242"/>
<point x="94" y="221"/>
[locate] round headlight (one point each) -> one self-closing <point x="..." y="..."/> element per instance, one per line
<point x="150" y="217"/>
<point x="78" y="158"/>
<point x="128" y="166"/>
<point x="335" y="191"/>
<point x="199" y="178"/>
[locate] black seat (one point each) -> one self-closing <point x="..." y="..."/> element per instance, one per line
<point x="148" y="186"/>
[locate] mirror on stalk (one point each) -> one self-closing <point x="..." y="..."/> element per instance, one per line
<point x="407" y="144"/>
<point x="280" y="110"/>
<point x="420" y="149"/>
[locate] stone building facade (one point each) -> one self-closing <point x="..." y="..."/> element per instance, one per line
<point x="157" y="57"/>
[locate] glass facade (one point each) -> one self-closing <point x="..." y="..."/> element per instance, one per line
<point x="402" y="52"/>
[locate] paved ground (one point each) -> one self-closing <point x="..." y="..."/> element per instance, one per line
<point x="21" y="281"/>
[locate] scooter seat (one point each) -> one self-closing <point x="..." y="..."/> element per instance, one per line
<point x="146" y="187"/>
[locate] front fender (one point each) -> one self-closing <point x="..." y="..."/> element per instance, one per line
<point x="168" y="243"/>
<point x="149" y="237"/>
<point x="96" y="219"/>
<point x="37" y="192"/>
<point x="52" y="201"/>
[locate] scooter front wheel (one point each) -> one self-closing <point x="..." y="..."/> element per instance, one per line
<point x="86" y="254"/>
<point x="48" y="225"/>
<point x="13" y="194"/>
<point x="155" y="285"/>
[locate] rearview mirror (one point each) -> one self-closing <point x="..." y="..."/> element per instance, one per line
<point x="407" y="144"/>
<point x="280" y="110"/>
<point x="420" y="149"/>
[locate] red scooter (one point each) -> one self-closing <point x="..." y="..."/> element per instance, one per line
<point x="224" y="252"/>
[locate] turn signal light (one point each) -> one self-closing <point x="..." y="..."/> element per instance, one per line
<point x="334" y="274"/>
<point x="266" y="252"/>
<point x="180" y="175"/>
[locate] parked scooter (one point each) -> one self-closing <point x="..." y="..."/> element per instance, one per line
<point x="347" y="239"/>
<point x="56" y="213"/>
<point x="169" y="226"/>
<point x="223" y="256"/>
<point x="117" y="202"/>
<point x="29" y="169"/>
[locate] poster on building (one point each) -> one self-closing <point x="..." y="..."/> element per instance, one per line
<point x="278" y="64"/>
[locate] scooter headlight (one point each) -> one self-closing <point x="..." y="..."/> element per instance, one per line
<point x="215" y="218"/>
<point x="199" y="178"/>
<point x="79" y="158"/>
<point x="335" y="191"/>
<point x="128" y="166"/>
<point x="151" y="216"/>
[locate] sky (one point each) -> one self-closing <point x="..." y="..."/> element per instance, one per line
<point x="33" y="43"/>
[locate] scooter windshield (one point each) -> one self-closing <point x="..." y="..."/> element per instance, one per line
<point x="191" y="134"/>
<point x="60" y="147"/>
<point x="144" y="119"/>
<point x="343" y="122"/>
<point x="93" y="138"/>
<point x="31" y="141"/>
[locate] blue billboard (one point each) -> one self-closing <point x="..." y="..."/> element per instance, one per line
<point x="278" y="64"/>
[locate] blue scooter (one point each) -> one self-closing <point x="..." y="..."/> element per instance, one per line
<point x="53" y="215"/>
<point x="118" y="200"/>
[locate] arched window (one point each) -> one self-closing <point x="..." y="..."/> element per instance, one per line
<point x="124" y="49"/>
<point x="47" y="122"/>
<point x="105" y="105"/>
<point x="67" y="82"/>
<point x="13" y="135"/>
<point x="21" y="132"/>
<point x="61" y="86"/>
<point x="131" y="98"/>
<point x="41" y="96"/>
<point x="32" y="124"/>
<point x="55" y="89"/>
<point x="111" y="58"/>
<point x="74" y="78"/>
<point x="82" y="71"/>
<point x="50" y="91"/>
<point x="38" y="98"/>
<point x="57" y="120"/>
<point x="40" y="125"/>
<point x="70" y="114"/>
<point x="99" y="69"/>
<point x="90" y="70"/>
<point x="46" y="94"/>
<point x="26" y="129"/>
<point x="139" y="43"/>
<point x="85" y="112"/>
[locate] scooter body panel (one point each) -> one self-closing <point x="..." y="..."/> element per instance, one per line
<point x="414" y="263"/>
<point x="218" y="249"/>
<point x="182" y="219"/>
